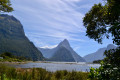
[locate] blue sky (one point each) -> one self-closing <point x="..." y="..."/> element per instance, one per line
<point x="47" y="22"/>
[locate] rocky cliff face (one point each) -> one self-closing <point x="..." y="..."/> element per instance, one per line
<point x="13" y="39"/>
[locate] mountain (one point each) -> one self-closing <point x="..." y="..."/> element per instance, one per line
<point x="47" y="53"/>
<point x="99" y="54"/>
<point x="63" y="52"/>
<point x="13" y="39"/>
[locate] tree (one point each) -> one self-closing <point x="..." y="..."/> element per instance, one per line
<point x="5" y="6"/>
<point x="100" y="22"/>
<point x="6" y="54"/>
<point x="110" y="67"/>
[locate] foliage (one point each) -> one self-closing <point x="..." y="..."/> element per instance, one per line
<point x="6" y="54"/>
<point x="110" y="67"/>
<point x="97" y="61"/>
<point x="102" y="20"/>
<point x="9" y="73"/>
<point x="12" y="58"/>
<point x="5" y="6"/>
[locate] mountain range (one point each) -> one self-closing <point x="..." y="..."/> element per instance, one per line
<point x="99" y="54"/>
<point x="63" y="52"/>
<point x="13" y="39"/>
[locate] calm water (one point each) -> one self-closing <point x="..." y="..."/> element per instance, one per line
<point x="54" y="66"/>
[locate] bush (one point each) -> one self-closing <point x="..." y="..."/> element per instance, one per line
<point x="110" y="67"/>
<point x="9" y="73"/>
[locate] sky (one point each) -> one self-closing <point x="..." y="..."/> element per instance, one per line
<point x="48" y="22"/>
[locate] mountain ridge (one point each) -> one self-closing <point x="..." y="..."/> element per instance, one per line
<point x="64" y="44"/>
<point x="62" y="55"/>
<point x="13" y="39"/>
<point x="99" y="54"/>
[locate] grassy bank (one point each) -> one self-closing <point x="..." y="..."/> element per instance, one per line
<point x="9" y="57"/>
<point x="9" y="73"/>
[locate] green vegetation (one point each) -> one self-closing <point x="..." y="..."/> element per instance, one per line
<point x="11" y="58"/>
<point x="5" y="6"/>
<point x="9" y="73"/>
<point x="13" y="39"/>
<point x="97" y="61"/>
<point x="100" y="21"/>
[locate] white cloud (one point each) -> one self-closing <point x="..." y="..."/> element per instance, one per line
<point x="75" y="0"/>
<point x="76" y="48"/>
<point x="56" y="14"/>
<point x="60" y="36"/>
<point x="47" y="22"/>
<point x="49" y="47"/>
<point x="51" y="19"/>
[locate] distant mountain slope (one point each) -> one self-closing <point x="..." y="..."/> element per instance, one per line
<point x="62" y="54"/>
<point x="98" y="55"/>
<point x="50" y="53"/>
<point x="76" y="57"/>
<point x="13" y="39"/>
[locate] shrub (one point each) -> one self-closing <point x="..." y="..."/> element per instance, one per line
<point x="10" y="73"/>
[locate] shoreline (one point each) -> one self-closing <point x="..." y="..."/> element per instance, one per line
<point x="53" y="62"/>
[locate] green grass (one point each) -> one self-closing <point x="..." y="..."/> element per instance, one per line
<point x="9" y="73"/>
<point x="9" y="57"/>
<point x="11" y="60"/>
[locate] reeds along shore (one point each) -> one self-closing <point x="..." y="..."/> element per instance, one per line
<point x="10" y="73"/>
